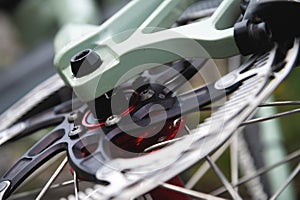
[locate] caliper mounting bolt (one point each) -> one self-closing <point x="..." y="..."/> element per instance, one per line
<point x="112" y="120"/>
<point x="146" y="94"/>
<point x="85" y="62"/>
<point x="76" y="131"/>
<point x="72" y="117"/>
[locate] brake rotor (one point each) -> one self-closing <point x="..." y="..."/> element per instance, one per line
<point x="127" y="177"/>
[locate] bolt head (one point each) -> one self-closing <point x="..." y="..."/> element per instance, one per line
<point x="85" y="62"/>
<point x="162" y="96"/>
<point x="112" y="120"/>
<point x="76" y="131"/>
<point x="72" y="117"/>
<point x="146" y="94"/>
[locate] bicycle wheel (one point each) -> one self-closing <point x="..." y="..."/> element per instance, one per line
<point x="128" y="178"/>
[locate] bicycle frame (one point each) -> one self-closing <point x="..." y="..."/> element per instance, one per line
<point x="134" y="22"/>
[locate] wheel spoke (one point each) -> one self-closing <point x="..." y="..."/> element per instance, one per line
<point x="53" y="177"/>
<point x="280" y="103"/>
<point x="259" y="172"/>
<point x="76" y="187"/>
<point x="286" y="183"/>
<point x="34" y="191"/>
<point x="268" y="104"/>
<point x="205" y="167"/>
<point x="225" y="182"/>
<point x="93" y="193"/>
<point x="50" y="145"/>
<point x="161" y="144"/>
<point x="262" y="119"/>
<point x="189" y="192"/>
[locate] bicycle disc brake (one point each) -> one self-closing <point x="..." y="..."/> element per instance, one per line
<point x="129" y="177"/>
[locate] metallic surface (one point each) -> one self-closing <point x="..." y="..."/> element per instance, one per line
<point x="130" y="178"/>
<point x="141" y="178"/>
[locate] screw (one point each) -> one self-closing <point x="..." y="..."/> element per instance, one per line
<point x="112" y="120"/>
<point x="72" y="117"/>
<point x="85" y="62"/>
<point x="162" y="96"/>
<point x="146" y="94"/>
<point x="161" y="139"/>
<point x="78" y="129"/>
